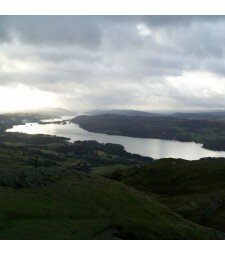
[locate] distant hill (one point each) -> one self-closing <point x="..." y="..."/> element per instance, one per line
<point x="218" y="115"/>
<point x="8" y="120"/>
<point x="122" y="112"/>
<point x="51" y="112"/>
<point x="206" y="115"/>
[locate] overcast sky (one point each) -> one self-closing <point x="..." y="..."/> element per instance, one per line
<point x="105" y="62"/>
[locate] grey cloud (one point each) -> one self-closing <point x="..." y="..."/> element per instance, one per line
<point x="177" y="20"/>
<point x="62" y="30"/>
<point x="105" y="61"/>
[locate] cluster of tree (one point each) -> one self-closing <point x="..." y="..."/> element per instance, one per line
<point x="9" y="120"/>
<point x="82" y="147"/>
<point x="33" y="176"/>
<point x="215" y="144"/>
<point x="31" y="139"/>
<point x="89" y="150"/>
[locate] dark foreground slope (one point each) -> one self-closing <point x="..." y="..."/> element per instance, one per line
<point x="83" y="207"/>
<point x="49" y="190"/>
<point x="209" y="132"/>
<point x="194" y="189"/>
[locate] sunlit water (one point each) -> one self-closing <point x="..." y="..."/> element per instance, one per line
<point x="155" y="148"/>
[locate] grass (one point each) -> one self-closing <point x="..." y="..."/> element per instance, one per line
<point x="85" y="207"/>
<point x="108" y="170"/>
<point x="61" y="199"/>
<point x="193" y="189"/>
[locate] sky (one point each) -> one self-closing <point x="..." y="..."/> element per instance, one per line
<point x="81" y="63"/>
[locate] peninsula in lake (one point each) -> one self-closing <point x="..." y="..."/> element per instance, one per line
<point x="207" y="128"/>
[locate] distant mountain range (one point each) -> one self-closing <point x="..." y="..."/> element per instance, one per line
<point x="122" y="112"/>
<point x="197" y="115"/>
<point x="51" y="112"/>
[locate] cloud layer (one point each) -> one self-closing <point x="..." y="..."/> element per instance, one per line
<point x="136" y="62"/>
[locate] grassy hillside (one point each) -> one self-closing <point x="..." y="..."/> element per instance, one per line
<point x="84" y="207"/>
<point x="194" y="189"/>
<point x="52" y="189"/>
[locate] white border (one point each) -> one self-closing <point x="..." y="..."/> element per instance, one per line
<point x="111" y="7"/>
<point x="111" y="247"/>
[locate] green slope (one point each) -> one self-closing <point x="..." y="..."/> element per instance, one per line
<point x="85" y="207"/>
<point x="194" y="189"/>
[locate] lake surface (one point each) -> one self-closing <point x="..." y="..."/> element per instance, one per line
<point x="155" y="148"/>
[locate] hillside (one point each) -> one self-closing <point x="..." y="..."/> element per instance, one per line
<point x="48" y="191"/>
<point x="194" y="189"/>
<point x="80" y="207"/>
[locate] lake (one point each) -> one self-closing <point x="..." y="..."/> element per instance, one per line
<point x="155" y="148"/>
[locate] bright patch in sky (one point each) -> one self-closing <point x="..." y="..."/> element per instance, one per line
<point x="198" y="84"/>
<point x="23" y="97"/>
<point x="143" y="30"/>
